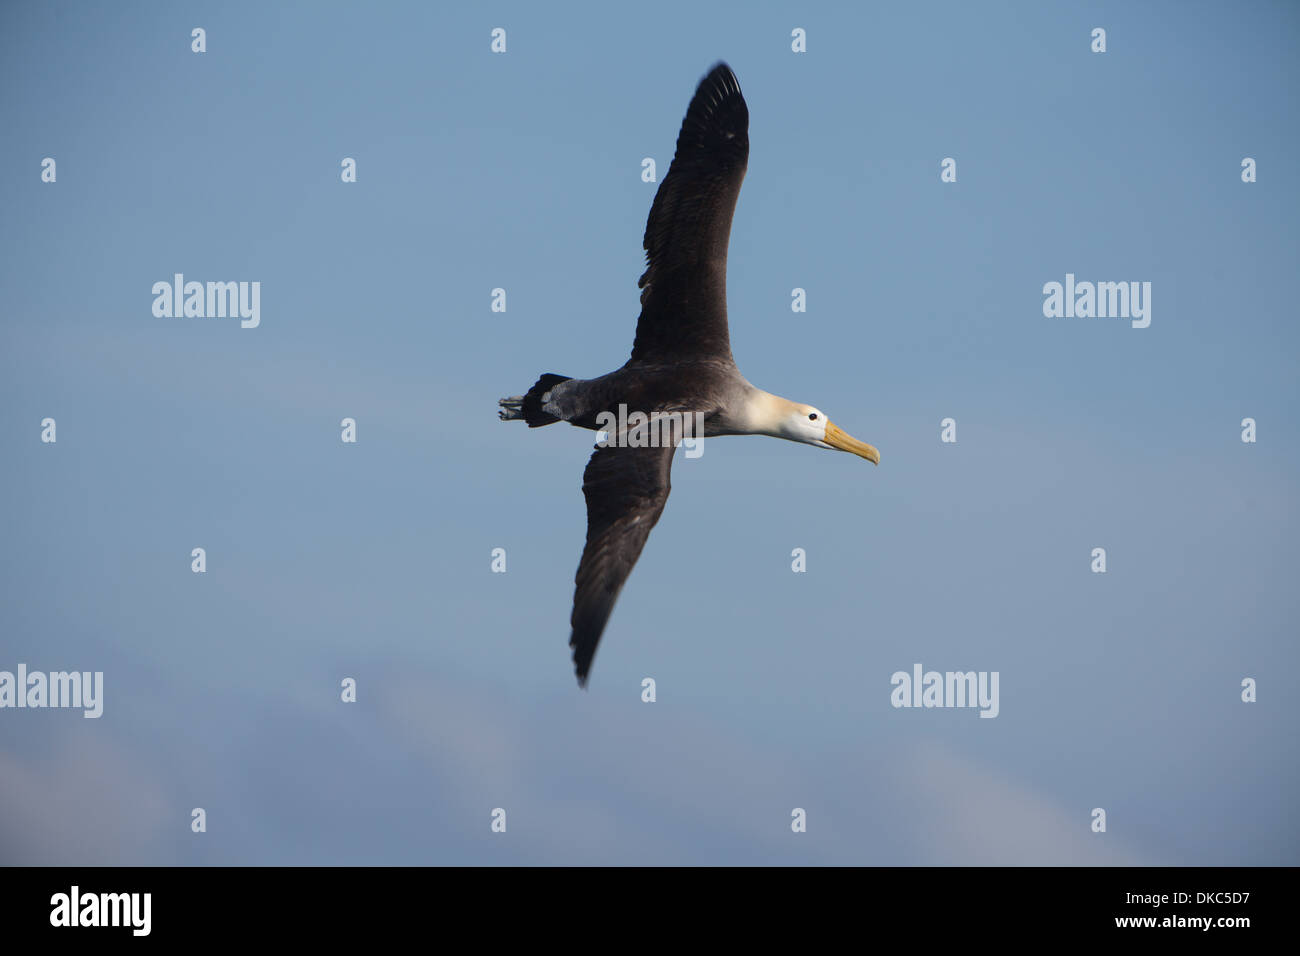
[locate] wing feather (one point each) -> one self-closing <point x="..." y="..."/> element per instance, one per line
<point x="684" y="286"/>
<point x="626" y="489"/>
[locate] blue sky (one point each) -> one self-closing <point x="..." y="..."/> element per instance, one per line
<point x="371" y="560"/>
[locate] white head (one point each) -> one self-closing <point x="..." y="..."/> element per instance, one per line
<point x="782" y="418"/>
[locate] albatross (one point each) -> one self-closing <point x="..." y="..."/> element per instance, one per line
<point x="681" y="369"/>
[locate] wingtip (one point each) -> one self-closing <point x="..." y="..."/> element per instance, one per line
<point x="581" y="668"/>
<point x="722" y="74"/>
<point x="717" y="118"/>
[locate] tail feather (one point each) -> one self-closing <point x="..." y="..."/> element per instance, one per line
<point x="529" y="406"/>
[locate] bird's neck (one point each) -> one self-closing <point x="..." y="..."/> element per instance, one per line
<point x="763" y="413"/>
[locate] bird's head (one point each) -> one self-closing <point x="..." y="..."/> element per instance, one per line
<point x="804" y="423"/>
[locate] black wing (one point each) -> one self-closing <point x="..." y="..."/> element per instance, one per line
<point x="626" y="489"/>
<point x="684" y="287"/>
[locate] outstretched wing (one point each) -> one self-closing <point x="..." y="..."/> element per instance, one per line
<point x="626" y="489"/>
<point x="684" y="287"/>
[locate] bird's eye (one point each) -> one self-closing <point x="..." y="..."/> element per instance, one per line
<point x="812" y="417"/>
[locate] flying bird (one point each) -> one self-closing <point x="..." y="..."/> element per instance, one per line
<point x="681" y="370"/>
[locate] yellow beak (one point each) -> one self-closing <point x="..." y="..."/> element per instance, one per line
<point x="837" y="438"/>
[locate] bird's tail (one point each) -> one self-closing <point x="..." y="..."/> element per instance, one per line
<point x="529" y="407"/>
